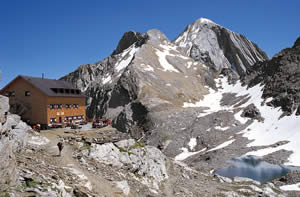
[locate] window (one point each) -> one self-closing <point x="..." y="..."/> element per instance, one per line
<point x="52" y="120"/>
<point x="60" y="106"/>
<point x="77" y="91"/>
<point x="74" y="117"/>
<point x="61" y="90"/>
<point x="12" y="94"/>
<point x="51" y="106"/>
<point x="67" y="91"/>
<point x="70" y="117"/>
<point x="27" y="93"/>
<point x="7" y="93"/>
<point x="54" y="90"/>
<point x="66" y="118"/>
<point x="56" y="106"/>
<point x="68" y="106"/>
<point x="75" y="106"/>
<point x="79" y="117"/>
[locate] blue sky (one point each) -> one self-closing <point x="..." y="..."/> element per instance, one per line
<point x="56" y="36"/>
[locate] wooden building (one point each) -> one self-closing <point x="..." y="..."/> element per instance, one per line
<point x="45" y="101"/>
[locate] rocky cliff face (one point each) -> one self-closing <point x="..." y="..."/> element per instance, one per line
<point x="214" y="45"/>
<point x="12" y="138"/>
<point x="149" y="69"/>
<point x="281" y="79"/>
<point x="151" y="74"/>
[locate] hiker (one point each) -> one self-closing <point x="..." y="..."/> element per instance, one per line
<point x="60" y="147"/>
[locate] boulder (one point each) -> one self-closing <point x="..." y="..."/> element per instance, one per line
<point x="251" y="111"/>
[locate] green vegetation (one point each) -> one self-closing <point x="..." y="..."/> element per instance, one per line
<point x="136" y="145"/>
<point x="30" y="184"/>
<point x="138" y="175"/>
<point x="127" y="150"/>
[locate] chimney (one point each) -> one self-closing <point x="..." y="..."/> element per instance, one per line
<point x="42" y="75"/>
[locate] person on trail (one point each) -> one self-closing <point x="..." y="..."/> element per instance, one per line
<point x="60" y="147"/>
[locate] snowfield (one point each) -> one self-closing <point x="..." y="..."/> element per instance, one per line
<point x="273" y="129"/>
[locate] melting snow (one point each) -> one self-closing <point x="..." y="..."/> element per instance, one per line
<point x="192" y="143"/>
<point x="223" y="145"/>
<point x="222" y="128"/>
<point x="124" y="62"/>
<point x="272" y="130"/>
<point x="294" y="187"/>
<point x="106" y="79"/>
<point x="185" y="154"/>
<point x="163" y="61"/>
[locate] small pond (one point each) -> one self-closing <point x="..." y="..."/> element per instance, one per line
<point x="253" y="167"/>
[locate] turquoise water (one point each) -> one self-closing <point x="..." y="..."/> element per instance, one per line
<point x="254" y="168"/>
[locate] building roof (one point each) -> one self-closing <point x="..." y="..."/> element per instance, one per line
<point x="52" y="87"/>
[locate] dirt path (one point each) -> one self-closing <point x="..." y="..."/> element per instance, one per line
<point x="91" y="181"/>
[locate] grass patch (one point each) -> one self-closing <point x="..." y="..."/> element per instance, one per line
<point x="29" y="184"/>
<point x="138" y="175"/>
<point x="137" y="145"/>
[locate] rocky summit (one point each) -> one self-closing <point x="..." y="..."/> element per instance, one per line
<point x="210" y="101"/>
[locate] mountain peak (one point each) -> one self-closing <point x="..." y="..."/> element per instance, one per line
<point x="209" y="43"/>
<point x="297" y="42"/>
<point x="128" y="39"/>
<point x="204" y="20"/>
<point x="156" y="35"/>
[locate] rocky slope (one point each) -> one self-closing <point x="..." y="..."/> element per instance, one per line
<point x="212" y="44"/>
<point x="185" y="98"/>
<point x="147" y="73"/>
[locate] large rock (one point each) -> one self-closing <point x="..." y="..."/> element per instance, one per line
<point x="12" y="138"/>
<point x="210" y="43"/>
<point x="251" y="111"/>
<point x="146" y="162"/>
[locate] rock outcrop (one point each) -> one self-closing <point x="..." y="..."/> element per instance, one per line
<point x="281" y="79"/>
<point x="212" y="44"/>
<point x="251" y="111"/>
<point x="12" y="138"/>
<point x="150" y="75"/>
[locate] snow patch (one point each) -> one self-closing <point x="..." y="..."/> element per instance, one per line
<point x="185" y="154"/>
<point x="163" y="61"/>
<point x="192" y="143"/>
<point x="106" y="80"/>
<point x="223" y="145"/>
<point x="294" y="187"/>
<point x="124" y="62"/>
<point x="273" y="129"/>
<point x="222" y="128"/>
